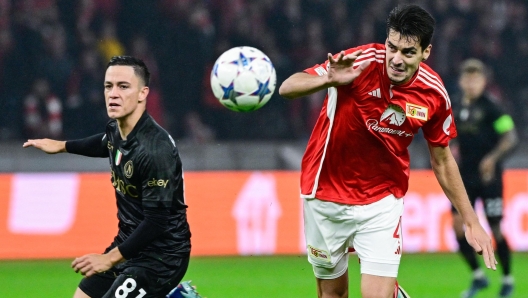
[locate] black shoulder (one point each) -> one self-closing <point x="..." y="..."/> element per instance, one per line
<point x="155" y="139"/>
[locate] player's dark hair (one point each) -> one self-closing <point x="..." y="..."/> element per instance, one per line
<point x="140" y="68"/>
<point x="412" y="22"/>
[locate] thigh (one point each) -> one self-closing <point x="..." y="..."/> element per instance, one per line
<point x="327" y="231"/>
<point x="378" y="240"/>
<point x="141" y="282"/>
<point x="97" y="285"/>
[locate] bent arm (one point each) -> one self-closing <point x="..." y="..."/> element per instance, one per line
<point x="302" y="84"/>
<point x="506" y="144"/>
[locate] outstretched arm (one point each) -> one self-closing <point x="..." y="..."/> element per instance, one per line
<point x="93" y="146"/>
<point x="47" y="145"/>
<point x="448" y="176"/>
<point x="340" y="72"/>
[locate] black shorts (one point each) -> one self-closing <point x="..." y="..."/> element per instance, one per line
<point x="489" y="193"/>
<point x="134" y="281"/>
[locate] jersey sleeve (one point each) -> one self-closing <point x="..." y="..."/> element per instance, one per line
<point x="502" y="122"/>
<point x="160" y="176"/>
<point x="440" y="128"/>
<point x="322" y="69"/>
<point x="93" y="146"/>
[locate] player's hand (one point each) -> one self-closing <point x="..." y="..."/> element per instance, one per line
<point x="47" y="145"/>
<point x="487" y="169"/>
<point x="91" y="264"/>
<point x="477" y="237"/>
<point x="341" y="70"/>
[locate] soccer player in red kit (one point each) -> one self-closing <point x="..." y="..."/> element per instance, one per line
<point x="355" y="171"/>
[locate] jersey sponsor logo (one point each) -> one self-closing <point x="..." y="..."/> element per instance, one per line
<point x="129" y="169"/>
<point x="375" y="93"/>
<point x="157" y="182"/>
<point x="393" y="115"/>
<point x="122" y="187"/>
<point x="319" y="253"/>
<point x="416" y="111"/>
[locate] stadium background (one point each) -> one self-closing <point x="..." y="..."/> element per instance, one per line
<point x="52" y="59"/>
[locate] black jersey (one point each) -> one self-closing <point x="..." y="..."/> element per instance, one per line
<point x="147" y="174"/>
<point x="476" y="133"/>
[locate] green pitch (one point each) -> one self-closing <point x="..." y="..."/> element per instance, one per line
<point x="422" y="275"/>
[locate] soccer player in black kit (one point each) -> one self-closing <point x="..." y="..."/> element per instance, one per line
<point x="486" y="134"/>
<point x="150" y="254"/>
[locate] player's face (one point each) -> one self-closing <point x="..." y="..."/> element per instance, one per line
<point x="472" y="84"/>
<point x="403" y="57"/>
<point x="123" y="90"/>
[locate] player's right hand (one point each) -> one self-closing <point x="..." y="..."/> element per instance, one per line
<point x="47" y="145"/>
<point x="341" y="70"/>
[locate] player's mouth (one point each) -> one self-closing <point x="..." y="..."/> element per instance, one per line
<point x="113" y="106"/>
<point x="397" y="70"/>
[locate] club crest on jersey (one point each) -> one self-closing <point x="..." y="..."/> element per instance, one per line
<point x="129" y="169"/>
<point x="319" y="254"/>
<point x="416" y="111"/>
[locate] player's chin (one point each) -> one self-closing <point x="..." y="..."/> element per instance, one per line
<point x="396" y="80"/>
<point x="112" y="114"/>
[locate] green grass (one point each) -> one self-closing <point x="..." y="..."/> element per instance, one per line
<point x="422" y="275"/>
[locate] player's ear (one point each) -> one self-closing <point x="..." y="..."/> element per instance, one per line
<point x="427" y="52"/>
<point x="143" y="93"/>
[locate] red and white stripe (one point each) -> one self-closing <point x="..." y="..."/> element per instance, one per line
<point x="370" y="54"/>
<point x="434" y="82"/>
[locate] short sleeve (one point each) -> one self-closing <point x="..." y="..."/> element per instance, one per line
<point x="440" y="128"/>
<point x="159" y="177"/>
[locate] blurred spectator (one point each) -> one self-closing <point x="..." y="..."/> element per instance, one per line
<point x="42" y="112"/>
<point x="181" y="39"/>
<point x="85" y="109"/>
<point x="108" y="42"/>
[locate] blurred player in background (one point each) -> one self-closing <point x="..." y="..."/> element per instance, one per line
<point x="355" y="170"/>
<point x="486" y="134"/>
<point x="150" y="254"/>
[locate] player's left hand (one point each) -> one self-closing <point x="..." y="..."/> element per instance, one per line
<point x="481" y="242"/>
<point x="487" y="169"/>
<point x="91" y="264"/>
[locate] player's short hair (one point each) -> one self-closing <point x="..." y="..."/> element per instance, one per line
<point x="140" y="68"/>
<point x="412" y="22"/>
<point x="473" y="65"/>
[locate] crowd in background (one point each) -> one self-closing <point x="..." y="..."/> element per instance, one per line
<point x="53" y="54"/>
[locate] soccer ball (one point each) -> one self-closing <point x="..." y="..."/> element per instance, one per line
<point x="243" y="79"/>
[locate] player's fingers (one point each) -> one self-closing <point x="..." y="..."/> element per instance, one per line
<point x="353" y="55"/>
<point x="77" y="261"/>
<point x="331" y="58"/>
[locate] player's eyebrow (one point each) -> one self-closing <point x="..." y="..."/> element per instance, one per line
<point x="117" y="83"/>
<point x="404" y="49"/>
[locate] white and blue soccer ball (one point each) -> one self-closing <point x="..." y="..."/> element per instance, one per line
<point x="243" y="79"/>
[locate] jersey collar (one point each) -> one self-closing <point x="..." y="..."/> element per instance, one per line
<point x="144" y="117"/>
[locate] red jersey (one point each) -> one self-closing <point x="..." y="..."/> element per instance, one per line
<point x="357" y="153"/>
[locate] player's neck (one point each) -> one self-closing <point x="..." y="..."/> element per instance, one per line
<point x="127" y="124"/>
